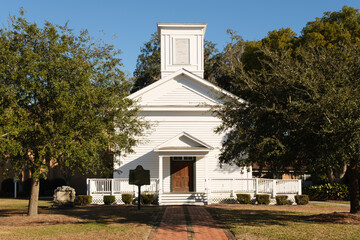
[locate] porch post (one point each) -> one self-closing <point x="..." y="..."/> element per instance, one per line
<point x="299" y="187"/>
<point x="160" y="174"/>
<point x="88" y="186"/>
<point x="112" y="186"/>
<point x="274" y="188"/>
<point x="256" y="186"/>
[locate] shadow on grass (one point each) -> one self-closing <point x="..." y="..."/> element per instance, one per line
<point x="101" y="214"/>
<point x="255" y="217"/>
<point x="112" y="214"/>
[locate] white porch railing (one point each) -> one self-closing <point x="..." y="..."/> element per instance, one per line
<point x="215" y="188"/>
<point x="114" y="186"/>
<point x="254" y="185"/>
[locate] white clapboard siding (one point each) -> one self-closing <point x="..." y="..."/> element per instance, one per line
<point x="179" y="93"/>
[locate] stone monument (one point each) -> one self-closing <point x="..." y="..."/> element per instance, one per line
<point x="64" y="196"/>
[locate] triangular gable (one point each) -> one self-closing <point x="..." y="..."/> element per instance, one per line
<point x="183" y="141"/>
<point x="182" y="72"/>
<point x="179" y="93"/>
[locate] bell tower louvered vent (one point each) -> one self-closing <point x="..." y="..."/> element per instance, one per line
<point x="182" y="46"/>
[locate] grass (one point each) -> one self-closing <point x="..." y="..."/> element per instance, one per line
<point x="287" y="222"/>
<point x="82" y="222"/>
<point x="10" y="203"/>
<point x="339" y="201"/>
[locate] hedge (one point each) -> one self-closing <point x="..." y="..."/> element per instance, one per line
<point x="127" y="198"/>
<point x="147" y="199"/>
<point x="263" y="199"/>
<point x="282" y="200"/>
<point x="301" y="199"/>
<point x="243" y="198"/>
<point x="109" y="199"/>
<point x="328" y="191"/>
<point x="83" y="200"/>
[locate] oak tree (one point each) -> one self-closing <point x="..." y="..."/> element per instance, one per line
<point x="300" y="106"/>
<point x="62" y="102"/>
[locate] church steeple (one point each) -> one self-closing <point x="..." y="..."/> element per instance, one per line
<point x="182" y="46"/>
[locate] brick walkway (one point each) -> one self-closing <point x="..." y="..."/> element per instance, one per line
<point x="188" y="222"/>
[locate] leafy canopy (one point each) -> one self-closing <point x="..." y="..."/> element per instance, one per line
<point x="301" y="107"/>
<point x="62" y="100"/>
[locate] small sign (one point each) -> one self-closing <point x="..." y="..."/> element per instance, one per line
<point x="139" y="176"/>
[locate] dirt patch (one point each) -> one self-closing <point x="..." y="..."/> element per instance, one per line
<point x="41" y="219"/>
<point x="335" y="217"/>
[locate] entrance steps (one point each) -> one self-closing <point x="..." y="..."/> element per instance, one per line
<point x="183" y="199"/>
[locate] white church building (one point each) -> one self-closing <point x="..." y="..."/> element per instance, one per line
<point x="181" y="149"/>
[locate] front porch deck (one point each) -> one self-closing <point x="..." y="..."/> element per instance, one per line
<point x="216" y="190"/>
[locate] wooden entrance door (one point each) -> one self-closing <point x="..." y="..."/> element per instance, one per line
<point x="182" y="176"/>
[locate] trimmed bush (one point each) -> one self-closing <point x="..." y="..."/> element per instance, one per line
<point x="282" y="200"/>
<point x="243" y="198"/>
<point x="328" y="191"/>
<point x="127" y="198"/>
<point x="83" y="200"/>
<point x="263" y="199"/>
<point x="147" y="199"/>
<point x="109" y="199"/>
<point x="301" y="199"/>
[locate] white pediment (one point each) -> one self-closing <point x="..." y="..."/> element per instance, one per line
<point x="181" y="89"/>
<point x="183" y="142"/>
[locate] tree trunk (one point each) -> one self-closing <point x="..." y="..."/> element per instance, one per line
<point x="34" y="198"/>
<point x="337" y="175"/>
<point x="354" y="188"/>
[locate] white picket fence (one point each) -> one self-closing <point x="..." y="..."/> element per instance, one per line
<point x="216" y="189"/>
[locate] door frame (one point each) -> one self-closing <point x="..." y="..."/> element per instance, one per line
<point x="193" y="160"/>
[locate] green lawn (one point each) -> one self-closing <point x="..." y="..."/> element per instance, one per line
<point x="312" y="221"/>
<point x="10" y="203"/>
<point x="83" y="222"/>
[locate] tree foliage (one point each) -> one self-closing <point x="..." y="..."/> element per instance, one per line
<point x="300" y="105"/>
<point x="62" y="102"/>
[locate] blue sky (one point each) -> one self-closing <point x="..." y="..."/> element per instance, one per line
<point x="132" y="22"/>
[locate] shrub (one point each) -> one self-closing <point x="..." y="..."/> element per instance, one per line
<point x="127" y="198"/>
<point x="109" y="199"/>
<point x="243" y="198"/>
<point x="83" y="200"/>
<point x="328" y="191"/>
<point x="263" y="199"/>
<point x="301" y="199"/>
<point x="282" y="200"/>
<point x="147" y="198"/>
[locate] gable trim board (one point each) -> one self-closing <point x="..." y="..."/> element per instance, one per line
<point x="188" y="74"/>
<point x="167" y="146"/>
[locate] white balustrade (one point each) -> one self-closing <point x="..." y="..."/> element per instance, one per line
<point x="216" y="189"/>
<point x="254" y="185"/>
<point x="116" y="186"/>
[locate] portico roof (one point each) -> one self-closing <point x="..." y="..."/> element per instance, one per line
<point x="183" y="142"/>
